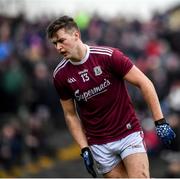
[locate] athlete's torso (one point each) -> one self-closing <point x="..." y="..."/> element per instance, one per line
<point x="96" y="83"/>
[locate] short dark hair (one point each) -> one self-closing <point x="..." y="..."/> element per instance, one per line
<point x="65" y="22"/>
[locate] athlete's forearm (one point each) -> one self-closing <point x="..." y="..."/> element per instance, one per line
<point x="137" y="78"/>
<point x="73" y="122"/>
<point x="150" y="96"/>
<point x="76" y="130"/>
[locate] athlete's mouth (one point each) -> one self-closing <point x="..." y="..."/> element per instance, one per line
<point x="64" y="53"/>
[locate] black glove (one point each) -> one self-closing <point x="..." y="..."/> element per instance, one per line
<point x="88" y="161"/>
<point x="165" y="132"/>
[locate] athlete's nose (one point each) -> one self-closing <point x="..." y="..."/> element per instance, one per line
<point x="59" y="47"/>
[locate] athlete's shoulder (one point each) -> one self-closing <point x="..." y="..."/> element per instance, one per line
<point x="101" y="50"/>
<point x="62" y="64"/>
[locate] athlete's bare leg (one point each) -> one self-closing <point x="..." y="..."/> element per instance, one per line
<point x="133" y="166"/>
<point x="137" y="165"/>
<point x="117" y="172"/>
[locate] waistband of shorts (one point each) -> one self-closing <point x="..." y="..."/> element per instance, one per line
<point x="107" y="140"/>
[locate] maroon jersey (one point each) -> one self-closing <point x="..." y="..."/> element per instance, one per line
<point x="96" y="84"/>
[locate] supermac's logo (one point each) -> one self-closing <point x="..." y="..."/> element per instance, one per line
<point x="92" y="92"/>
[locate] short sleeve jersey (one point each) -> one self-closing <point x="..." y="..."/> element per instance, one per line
<point x="96" y="84"/>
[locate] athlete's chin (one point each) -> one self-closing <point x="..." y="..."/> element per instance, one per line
<point x="66" y="56"/>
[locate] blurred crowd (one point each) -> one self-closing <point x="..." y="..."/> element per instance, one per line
<point x="29" y="104"/>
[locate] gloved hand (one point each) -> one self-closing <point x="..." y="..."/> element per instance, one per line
<point x="165" y="132"/>
<point x="88" y="160"/>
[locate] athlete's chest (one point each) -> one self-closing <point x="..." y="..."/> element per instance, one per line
<point x="88" y="81"/>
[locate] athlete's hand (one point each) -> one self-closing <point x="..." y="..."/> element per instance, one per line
<point x="165" y="132"/>
<point x="88" y="161"/>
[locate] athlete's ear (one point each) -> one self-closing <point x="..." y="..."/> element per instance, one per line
<point x="77" y="35"/>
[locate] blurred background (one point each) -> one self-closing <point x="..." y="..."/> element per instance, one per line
<point x="34" y="140"/>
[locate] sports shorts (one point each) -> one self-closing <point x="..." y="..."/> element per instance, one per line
<point x="108" y="155"/>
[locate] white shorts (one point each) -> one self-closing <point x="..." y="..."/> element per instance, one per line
<point x="107" y="156"/>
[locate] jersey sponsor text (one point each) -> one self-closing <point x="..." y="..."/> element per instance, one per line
<point x="92" y="92"/>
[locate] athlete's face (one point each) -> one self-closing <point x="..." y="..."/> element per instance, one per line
<point x="66" y="42"/>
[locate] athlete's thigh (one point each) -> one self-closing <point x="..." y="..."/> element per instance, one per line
<point x="137" y="165"/>
<point x="118" y="171"/>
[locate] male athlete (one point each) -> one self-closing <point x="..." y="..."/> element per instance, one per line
<point x="98" y="111"/>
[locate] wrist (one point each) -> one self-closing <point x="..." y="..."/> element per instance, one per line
<point x="160" y="121"/>
<point x="84" y="149"/>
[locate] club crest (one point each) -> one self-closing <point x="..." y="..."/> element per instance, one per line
<point x="97" y="70"/>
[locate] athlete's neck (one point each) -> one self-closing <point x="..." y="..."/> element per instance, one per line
<point x="80" y="53"/>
